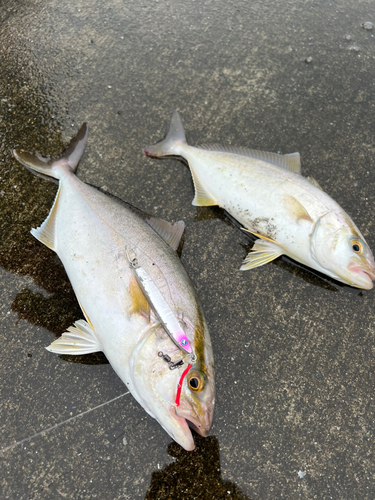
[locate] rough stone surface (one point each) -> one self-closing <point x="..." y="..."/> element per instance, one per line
<point x="294" y="351"/>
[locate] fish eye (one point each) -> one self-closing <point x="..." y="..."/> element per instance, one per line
<point x="357" y="246"/>
<point x="196" y="381"/>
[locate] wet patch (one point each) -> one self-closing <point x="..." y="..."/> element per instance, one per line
<point x="194" y="474"/>
<point x="28" y="111"/>
<point x="96" y="358"/>
<point x="208" y="213"/>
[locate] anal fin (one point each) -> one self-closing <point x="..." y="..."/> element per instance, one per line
<point x="45" y="233"/>
<point x="263" y="251"/>
<point x="202" y="197"/>
<point x="77" y="340"/>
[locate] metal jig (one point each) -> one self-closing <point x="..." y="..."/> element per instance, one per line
<point x="159" y="305"/>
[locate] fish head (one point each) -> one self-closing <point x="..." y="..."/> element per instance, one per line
<point x="180" y="398"/>
<point x="196" y="404"/>
<point x="342" y="252"/>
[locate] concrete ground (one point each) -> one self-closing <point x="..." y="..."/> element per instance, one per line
<point x="294" y="351"/>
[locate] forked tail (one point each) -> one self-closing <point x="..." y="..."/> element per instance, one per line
<point x="53" y="169"/>
<point x="47" y="168"/>
<point x="169" y="145"/>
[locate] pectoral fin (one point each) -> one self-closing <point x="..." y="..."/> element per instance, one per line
<point x="79" y="339"/>
<point x="139" y="301"/>
<point x="296" y="209"/>
<point x="263" y="251"/>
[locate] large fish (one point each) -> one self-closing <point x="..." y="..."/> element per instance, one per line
<point x="140" y="306"/>
<point x="267" y="194"/>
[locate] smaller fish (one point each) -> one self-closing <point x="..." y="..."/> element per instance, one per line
<point x="290" y="214"/>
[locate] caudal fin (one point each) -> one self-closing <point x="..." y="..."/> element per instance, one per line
<point x="47" y="168"/>
<point x="169" y="145"/>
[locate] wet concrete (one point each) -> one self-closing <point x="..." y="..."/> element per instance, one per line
<point x="294" y="351"/>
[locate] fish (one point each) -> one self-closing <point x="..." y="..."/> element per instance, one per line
<point x="138" y="303"/>
<point x="287" y="213"/>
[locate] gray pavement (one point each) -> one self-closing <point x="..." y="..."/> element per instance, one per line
<point x="294" y="351"/>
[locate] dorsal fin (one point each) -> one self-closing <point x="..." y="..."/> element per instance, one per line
<point x="171" y="233"/>
<point x="294" y="162"/>
<point x="291" y="161"/>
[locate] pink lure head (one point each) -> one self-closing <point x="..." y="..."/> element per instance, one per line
<point x="183" y="341"/>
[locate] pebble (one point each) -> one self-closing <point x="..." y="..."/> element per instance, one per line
<point x="367" y="25"/>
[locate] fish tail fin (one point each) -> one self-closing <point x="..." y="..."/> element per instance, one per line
<point x="174" y="139"/>
<point x="53" y="169"/>
<point x="48" y="168"/>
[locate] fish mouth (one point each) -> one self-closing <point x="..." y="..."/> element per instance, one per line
<point x="200" y="424"/>
<point x="202" y="431"/>
<point x="181" y="432"/>
<point x="361" y="278"/>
